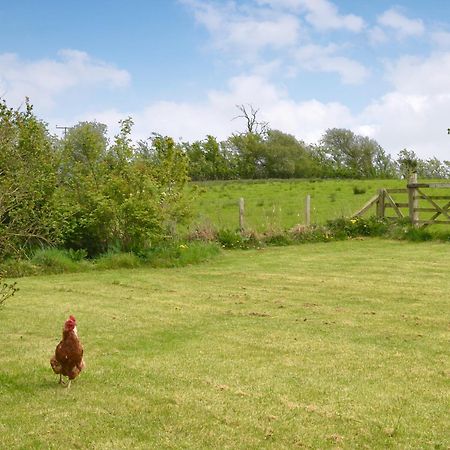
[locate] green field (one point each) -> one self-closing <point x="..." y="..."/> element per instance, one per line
<point x="337" y="345"/>
<point x="275" y="204"/>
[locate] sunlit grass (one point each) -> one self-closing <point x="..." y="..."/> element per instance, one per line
<point x="274" y="204"/>
<point x="338" y="345"/>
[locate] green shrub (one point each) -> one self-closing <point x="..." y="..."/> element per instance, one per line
<point x="279" y="239"/>
<point x="417" y="234"/>
<point x="230" y="239"/>
<point x="14" y="268"/>
<point x="343" y="227"/>
<point x="180" y="254"/>
<point x="53" y="260"/>
<point x="196" y="252"/>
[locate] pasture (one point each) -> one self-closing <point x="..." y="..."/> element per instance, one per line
<point x="280" y="204"/>
<point x="337" y="345"/>
<point x="275" y="204"/>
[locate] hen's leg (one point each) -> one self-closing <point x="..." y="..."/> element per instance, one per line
<point x="68" y="384"/>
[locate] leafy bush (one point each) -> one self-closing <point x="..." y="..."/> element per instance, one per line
<point x="278" y="239"/>
<point x="53" y="260"/>
<point x="27" y="182"/>
<point x="343" y="227"/>
<point x="14" y="268"/>
<point x="230" y="239"/>
<point x="417" y="234"/>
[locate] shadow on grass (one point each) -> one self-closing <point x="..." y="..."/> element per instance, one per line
<point x="27" y="383"/>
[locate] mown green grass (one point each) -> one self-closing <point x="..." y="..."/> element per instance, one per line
<point x="338" y="345"/>
<point x="275" y="204"/>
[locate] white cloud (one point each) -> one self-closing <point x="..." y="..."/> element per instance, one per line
<point x="441" y="38"/>
<point x="377" y="36"/>
<point x="414" y="114"/>
<point x="242" y="30"/>
<point x="414" y="75"/>
<point x="191" y="121"/>
<point x="321" y="14"/>
<point x="43" y="80"/>
<point x="402" y="25"/>
<point x="324" y="15"/>
<point x="324" y="59"/>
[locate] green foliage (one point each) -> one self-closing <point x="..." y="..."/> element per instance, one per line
<point x="230" y="238"/>
<point x="120" y="197"/>
<point x="52" y="260"/>
<point x="27" y="182"/>
<point x="209" y="160"/>
<point x="81" y="192"/>
<point x="181" y="254"/>
<point x="354" y="156"/>
<point x="250" y="154"/>
<point x="408" y="162"/>
<point x="358" y="226"/>
<point x="15" y="268"/>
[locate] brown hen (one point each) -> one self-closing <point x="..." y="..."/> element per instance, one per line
<point x="68" y="360"/>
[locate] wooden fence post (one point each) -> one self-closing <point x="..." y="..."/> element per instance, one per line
<point x="241" y="214"/>
<point x="413" y="201"/>
<point x="381" y="207"/>
<point x="308" y="210"/>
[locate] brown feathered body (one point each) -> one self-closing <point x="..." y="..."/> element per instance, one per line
<point x="68" y="358"/>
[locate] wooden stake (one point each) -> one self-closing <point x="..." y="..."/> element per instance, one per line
<point x="241" y="214"/>
<point x="308" y="210"/>
<point x="413" y="201"/>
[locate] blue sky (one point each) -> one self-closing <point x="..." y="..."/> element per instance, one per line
<point x="179" y="67"/>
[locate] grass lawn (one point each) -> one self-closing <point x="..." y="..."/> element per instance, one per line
<point x="337" y="345"/>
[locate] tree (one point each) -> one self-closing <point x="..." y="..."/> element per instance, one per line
<point x="353" y="155"/>
<point x="433" y="168"/>
<point x="119" y="196"/>
<point x="408" y="163"/>
<point x="27" y="182"/>
<point x="209" y="160"/>
<point x="249" y="153"/>
<point x="286" y="157"/>
<point x="82" y="200"/>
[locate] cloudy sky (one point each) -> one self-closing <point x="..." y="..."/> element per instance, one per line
<point x="180" y="67"/>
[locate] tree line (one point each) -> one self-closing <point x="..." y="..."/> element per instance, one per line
<point x="262" y="152"/>
<point x="85" y="191"/>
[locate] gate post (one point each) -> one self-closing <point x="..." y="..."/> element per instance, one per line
<point x="413" y="201"/>
<point x="381" y="204"/>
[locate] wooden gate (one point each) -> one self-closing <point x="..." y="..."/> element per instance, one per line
<point x="422" y="203"/>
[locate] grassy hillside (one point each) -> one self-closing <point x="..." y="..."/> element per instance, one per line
<point x="292" y="347"/>
<point x="275" y="204"/>
<point x="280" y="203"/>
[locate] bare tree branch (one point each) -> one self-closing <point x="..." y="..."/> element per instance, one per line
<point x="249" y="113"/>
